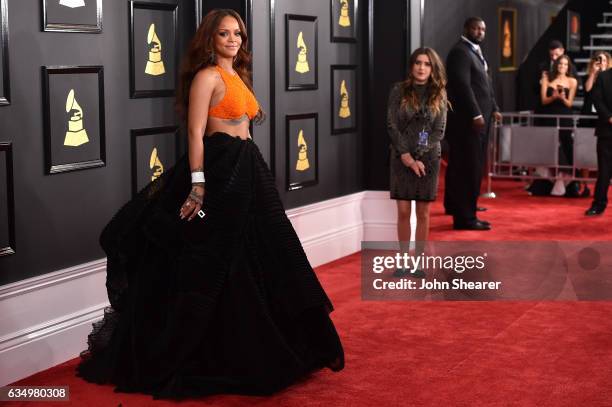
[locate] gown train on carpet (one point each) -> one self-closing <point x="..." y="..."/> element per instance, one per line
<point x="227" y="303"/>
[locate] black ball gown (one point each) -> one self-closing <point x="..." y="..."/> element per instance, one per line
<point x="224" y="304"/>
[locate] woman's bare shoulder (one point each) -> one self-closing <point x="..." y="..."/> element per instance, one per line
<point x="208" y="76"/>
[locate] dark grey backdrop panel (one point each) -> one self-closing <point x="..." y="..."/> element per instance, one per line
<point x="262" y="74"/>
<point x="387" y="40"/>
<point x="340" y="163"/>
<point x="243" y="7"/>
<point x="59" y="217"/>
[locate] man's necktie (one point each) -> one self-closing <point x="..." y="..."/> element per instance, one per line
<point x="482" y="58"/>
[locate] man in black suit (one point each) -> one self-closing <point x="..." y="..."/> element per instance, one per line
<point x="602" y="99"/>
<point x="555" y="50"/>
<point x="470" y="92"/>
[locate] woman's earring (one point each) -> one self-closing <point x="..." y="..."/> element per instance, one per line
<point x="211" y="58"/>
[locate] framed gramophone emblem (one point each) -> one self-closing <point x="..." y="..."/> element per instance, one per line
<point x="7" y="200"/>
<point x="5" y="93"/>
<point x="573" y="31"/>
<point x="302" y="143"/>
<point x="344" y="20"/>
<point x="154" y="151"/>
<point x="153" y="49"/>
<point x="73" y="115"/>
<point x="83" y="16"/>
<point x="507" y="39"/>
<point x="343" y="98"/>
<point x="301" y="66"/>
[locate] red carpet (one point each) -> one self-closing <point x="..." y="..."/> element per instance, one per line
<point x="444" y="353"/>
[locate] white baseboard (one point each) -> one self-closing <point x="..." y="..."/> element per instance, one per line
<point x="45" y="320"/>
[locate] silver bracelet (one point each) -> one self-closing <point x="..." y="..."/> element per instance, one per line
<point x="197" y="176"/>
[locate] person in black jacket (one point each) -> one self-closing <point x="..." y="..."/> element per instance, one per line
<point x="472" y="100"/>
<point x="555" y="50"/>
<point x="602" y="98"/>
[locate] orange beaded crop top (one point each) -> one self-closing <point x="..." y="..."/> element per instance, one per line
<point x="237" y="101"/>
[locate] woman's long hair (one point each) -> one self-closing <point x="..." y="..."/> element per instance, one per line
<point x="201" y="54"/>
<point x="554" y="71"/>
<point x="436" y="85"/>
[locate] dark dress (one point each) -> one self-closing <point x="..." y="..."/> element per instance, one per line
<point x="543" y="187"/>
<point x="403" y="128"/>
<point x="224" y="304"/>
<point x="566" y="153"/>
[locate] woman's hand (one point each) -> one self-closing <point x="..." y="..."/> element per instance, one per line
<point x="193" y="203"/>
<point x="497" y="116"/>
<point x="415" y="165"/>
<point x="555" y="94"/>
<point x="407" y="159"/>
<point x="418" y="167"/>
<point x="562" y="94"/>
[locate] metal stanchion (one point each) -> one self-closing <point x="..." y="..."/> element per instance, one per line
<point x="498" y="168"/>
<point x="491" y="155"/>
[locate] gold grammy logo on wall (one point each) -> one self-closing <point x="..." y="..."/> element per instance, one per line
<point x="302" y="161"/>
<point x="344" y="111"/>
<point x="72" y="3"/>
<point x="155" y="65"/>
<point x="76" y="134"/>
<point x="301" y="65"/>
<point x="507" y="50"/>
<point x="344" y="20"/>
<point x="156" y="165"/>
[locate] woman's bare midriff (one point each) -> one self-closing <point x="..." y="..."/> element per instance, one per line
<point x="233" y="127"/>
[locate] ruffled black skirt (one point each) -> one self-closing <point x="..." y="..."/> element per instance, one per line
<point x="224" y="304"/>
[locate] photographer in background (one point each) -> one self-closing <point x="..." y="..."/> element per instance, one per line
<point x="599" y="62"/>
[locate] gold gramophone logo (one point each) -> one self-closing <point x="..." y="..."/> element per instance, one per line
<point x="302" y="161"/>
<point x="301" y="65"/>
<point x="76" y="134"/>
<point x="507" y="49"/>
<point x="155" y="65"/>
<point x="72" y="3"/>
<point x="344" y="20"/>
<point x="156" y="165"/>
<point x="344" y="111"/>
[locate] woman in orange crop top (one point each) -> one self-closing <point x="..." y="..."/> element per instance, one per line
<point x="216" y="92"/>
<point x="210" y="295"/>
